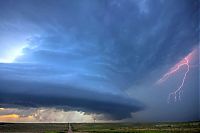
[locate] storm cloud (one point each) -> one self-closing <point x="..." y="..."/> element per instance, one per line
<point x="50" y="95"/>
<point x="86" y="55"/>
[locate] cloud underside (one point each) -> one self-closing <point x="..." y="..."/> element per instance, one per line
<point x="112" y="106"/>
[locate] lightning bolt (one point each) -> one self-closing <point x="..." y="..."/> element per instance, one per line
<point x="178" y="91"/>
<point x="184" y="62"/>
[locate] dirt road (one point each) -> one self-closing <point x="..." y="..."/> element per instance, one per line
<point x="69" y="129"/>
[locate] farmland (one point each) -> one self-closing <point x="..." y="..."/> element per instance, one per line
<point x="181" y="127"/>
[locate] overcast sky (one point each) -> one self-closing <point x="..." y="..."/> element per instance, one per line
<point x="73" y="60"/>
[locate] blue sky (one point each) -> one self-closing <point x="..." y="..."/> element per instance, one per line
<point x="98" y="57"/>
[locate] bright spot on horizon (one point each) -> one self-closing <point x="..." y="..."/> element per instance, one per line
<point x="1" y="109"/>
<point x="12" y="54"/>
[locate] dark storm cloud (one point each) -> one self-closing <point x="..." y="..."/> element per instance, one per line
<point x="33" y="94"/>
<point x="113" y="38"/>
<point x="93" y="45"/>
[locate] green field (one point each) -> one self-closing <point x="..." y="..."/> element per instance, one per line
<point x="183" y="127"/>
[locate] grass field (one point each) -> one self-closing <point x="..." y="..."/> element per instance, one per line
<point x="184" y="127"/>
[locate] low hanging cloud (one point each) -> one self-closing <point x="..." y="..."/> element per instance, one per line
<point x="43" y="115"/>
<point x="35" y="94"/>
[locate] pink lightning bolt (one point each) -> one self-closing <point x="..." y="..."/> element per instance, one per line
<point x="173" y="70"/>
<point x="179" y="90"/>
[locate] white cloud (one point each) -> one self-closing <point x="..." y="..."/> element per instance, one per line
<point x="43" y="115"/>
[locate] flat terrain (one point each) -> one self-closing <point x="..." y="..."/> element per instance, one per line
<point x="184" y="127"/>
